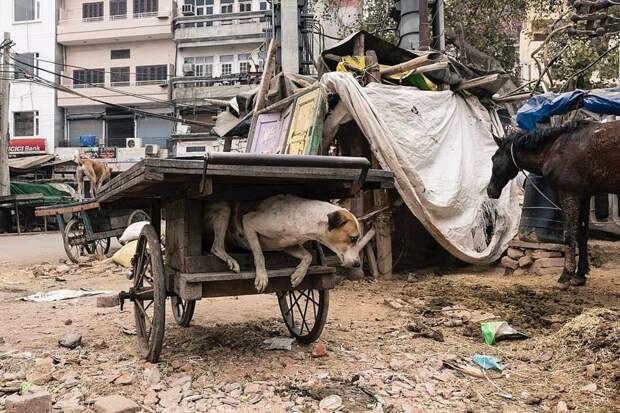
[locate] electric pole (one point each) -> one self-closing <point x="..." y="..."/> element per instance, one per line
<point x="5" y="188"/>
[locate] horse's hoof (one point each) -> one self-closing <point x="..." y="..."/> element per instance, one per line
<point x="565" y="277"/>
<point x="564" y="286"/>
<point x="578" y="281"/>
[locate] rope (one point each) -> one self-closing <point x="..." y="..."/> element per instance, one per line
<point x="527" y="179"/>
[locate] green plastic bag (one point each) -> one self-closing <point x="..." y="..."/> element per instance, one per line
<point x="493" y="331"/>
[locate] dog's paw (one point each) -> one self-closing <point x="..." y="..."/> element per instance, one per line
<point x="233" y="265"/>
<point x="297" y="277"/>
<point x="260" y="282"/>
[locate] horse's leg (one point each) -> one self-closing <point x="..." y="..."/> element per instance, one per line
<point x="570" y="210"/>
<point x="582" y="238"/>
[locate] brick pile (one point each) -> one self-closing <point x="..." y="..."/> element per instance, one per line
<point x="534" y="258"/>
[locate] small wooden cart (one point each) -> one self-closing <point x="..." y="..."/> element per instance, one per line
<point x="186" y="273"/>
<point x="87" y="229"/>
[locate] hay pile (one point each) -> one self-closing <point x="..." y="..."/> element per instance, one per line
<point x="595" y="331"/>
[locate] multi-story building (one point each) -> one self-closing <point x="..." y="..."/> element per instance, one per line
<point x="220" y="46"/>
<point x="34" y="116"/>
<point x="121" y="53"/>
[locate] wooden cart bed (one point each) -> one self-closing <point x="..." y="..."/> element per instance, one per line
<point x="236" y="176"/>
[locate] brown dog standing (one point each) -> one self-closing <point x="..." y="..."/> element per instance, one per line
<point x="97" y="172"/>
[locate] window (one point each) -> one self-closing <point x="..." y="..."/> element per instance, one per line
<point x="263" y="5"/>
<point x="118" y="9"/>
<point x="244" y="63"/>
<point x="227" y="8"/>
<point x="26" y="123"/>
<point x="25" y="10"/>
<point x="120" y="54"/>
<point x="92" y="11"/>
<point x="145" y="8"/>
<point x="247" y="6"/>
<point x="151" y="74"/>
<point x="119" y="76"/>
<point x="88" y="78"/>
<point x="226" y="69"/>
<point x="24" y="65"/>
<point x="203" y="65"/>
<point x="201" y="7"/>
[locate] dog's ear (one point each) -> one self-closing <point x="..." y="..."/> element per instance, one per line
<point x="335" y="220"/>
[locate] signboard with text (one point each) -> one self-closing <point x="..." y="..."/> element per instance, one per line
<point x="27" y="146"/>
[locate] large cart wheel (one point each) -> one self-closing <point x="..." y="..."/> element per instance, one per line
<point x="137" y="216"/>
<point x="99" y="247"/>
<point x="304" y="313"/>
<point x="183" y="310"/>
<point x="149" y="288"/>
<point x="73" y="239"/>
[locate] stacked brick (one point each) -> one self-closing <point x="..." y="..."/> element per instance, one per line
<point x="534" y="258"/>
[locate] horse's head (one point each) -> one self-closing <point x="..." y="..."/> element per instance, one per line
<point x="504" y="169"/>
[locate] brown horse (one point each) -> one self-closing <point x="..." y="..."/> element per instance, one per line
<point x="579" y="159"/>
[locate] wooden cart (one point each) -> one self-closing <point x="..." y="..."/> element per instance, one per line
<point x="186" y="273"/>
<point x="87" y="229"/>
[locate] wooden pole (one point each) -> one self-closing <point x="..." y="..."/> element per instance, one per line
<point x="412" y="64"/>
<point x="270" y="66"/>
<point x="5" y="188"/>
<point x="383" y="221"/>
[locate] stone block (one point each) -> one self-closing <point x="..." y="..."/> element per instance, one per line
<point x="38" y="402"/>
<point x="115" y="404"/>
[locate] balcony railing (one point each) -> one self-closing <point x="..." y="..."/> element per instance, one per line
<point x="185" y="82"/>
<point x="110" y="18"/>
<point x="226" y="19"/>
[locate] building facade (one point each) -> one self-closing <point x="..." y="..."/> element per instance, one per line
<point x="34" y="115"/>
<point x="220" y="50"/>
<point x="120" y="53"/>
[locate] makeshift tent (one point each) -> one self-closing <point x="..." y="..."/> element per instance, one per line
<point x="542" y="107"/>
<point x="439" y="146"/>
<point x="52" y="194"/>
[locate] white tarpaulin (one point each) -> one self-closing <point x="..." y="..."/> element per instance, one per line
<point x="439" y="146"/>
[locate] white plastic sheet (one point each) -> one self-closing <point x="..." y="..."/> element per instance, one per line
<point x="439" y="147"/>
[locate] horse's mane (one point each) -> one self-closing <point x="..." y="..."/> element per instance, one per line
<point x="538" y="138"/>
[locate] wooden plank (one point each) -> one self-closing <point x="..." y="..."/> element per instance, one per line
<point x="249" y="275"/>
<point x="201" y="263"/>
<point x="20" y="197"/>
<point x="146" y="177"/>
<point x="56" y="210"/>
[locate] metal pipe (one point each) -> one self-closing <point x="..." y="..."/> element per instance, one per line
<point x="308" y="161"/>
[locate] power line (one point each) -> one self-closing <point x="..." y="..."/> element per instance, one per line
<point x="44" y="82"/>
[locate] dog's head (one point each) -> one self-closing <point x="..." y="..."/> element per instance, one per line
<point x="343" y="233"/>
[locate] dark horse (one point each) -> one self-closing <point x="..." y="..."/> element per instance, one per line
<point x="579" y="159"/>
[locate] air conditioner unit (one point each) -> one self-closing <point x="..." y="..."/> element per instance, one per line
<point x="188" y="69"/>
<point x="133" y="143"/>
<point x="188" y="10"/>
<point x="163" y="14"/>
<point x="152" y="150"/>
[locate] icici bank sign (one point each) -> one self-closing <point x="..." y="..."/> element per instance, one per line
<point x="28" y="146"/>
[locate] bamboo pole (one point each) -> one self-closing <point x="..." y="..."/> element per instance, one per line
<point x="412" y="64"/>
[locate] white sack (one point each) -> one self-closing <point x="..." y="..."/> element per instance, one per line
<point x="132" y="232"/>
<point x="439" y="147"/>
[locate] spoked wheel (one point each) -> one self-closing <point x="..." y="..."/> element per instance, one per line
<point x="304" y="313"/>
<point x="149" y="289"/>
<point x="99" y="247"/>
<point x="74" y="239"/>
<point x="137" y="216"/>
<point x="183" y="310"/>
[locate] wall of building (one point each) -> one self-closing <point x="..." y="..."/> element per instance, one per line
<point x="35" y="36"/>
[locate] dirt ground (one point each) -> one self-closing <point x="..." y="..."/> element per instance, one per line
<point x="570" y="362"/>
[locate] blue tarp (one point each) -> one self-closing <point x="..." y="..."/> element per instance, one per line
<point x="541" y="107"/>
